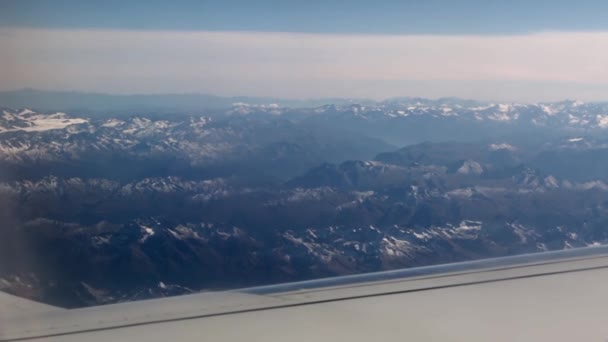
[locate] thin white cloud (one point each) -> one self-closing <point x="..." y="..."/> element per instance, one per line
<point x="303" y="65"/>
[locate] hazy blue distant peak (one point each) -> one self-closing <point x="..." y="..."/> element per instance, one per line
<point x="72" y="100"/>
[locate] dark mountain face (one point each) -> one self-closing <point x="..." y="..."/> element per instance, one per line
<point x="103" y="210"/>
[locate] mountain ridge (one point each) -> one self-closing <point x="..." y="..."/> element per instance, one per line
<point x="62" y="100"/>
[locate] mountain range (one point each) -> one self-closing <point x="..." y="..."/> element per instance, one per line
<point x="106" y="206"/>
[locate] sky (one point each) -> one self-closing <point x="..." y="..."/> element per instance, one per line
<point x="488" y="50"/>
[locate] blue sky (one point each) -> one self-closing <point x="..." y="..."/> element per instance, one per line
<point x="314" y="16"/>
<point x="497" y="50"/>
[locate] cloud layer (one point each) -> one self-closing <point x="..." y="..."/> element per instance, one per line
<point x="539" y="66"/>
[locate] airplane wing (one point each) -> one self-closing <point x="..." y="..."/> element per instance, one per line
<point x="552" y="296"/>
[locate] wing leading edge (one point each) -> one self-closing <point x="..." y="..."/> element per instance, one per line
<point x="544" y="296"/>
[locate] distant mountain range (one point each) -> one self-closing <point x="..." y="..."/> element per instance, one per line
<point x="96" y="102"/>
<point x="398" y="121"/>
<point x="100" y="207"/>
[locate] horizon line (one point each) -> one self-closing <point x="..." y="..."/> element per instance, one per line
<point x="194" y="93"/>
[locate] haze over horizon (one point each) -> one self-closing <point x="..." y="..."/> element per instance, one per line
<point x="521" y="51"/>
